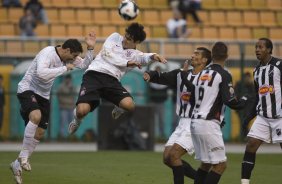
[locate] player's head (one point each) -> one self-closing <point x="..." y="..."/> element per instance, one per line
<point x="134" y="34"/>
<point x="219" y="51"/>
<point x="264" y="48"/>
<point x="201" y="57"/>
<point x="71" y="48"/>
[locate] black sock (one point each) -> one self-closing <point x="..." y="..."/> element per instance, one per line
<point x="200" y="176"/>
<point x="248" y="165"/>
<point x="188" y="170"/>
<point x="178" y="174"/>
<point x="212" y="178"/>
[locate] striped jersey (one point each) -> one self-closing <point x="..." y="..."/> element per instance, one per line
<point x="214" y="90"/>
<point x="178" y="80"/>
<point x="267" y="81"/>
<point x="45" y="67"/>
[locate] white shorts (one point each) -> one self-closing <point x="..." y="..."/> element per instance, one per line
<point x="182" y="136"/>
<point x="208" y="141"/>
<point x="267" y="130"/>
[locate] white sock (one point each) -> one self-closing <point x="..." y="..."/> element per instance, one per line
<point x="29" y="143"/>
<point x="245" y="181"/>
<point x="75" y="117"/>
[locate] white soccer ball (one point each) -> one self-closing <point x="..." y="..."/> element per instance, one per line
<point x="128" y="10"/>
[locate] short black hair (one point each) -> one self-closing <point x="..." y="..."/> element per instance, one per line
<point x="206" y="54"/>
<point x="73" y="44"/>
<point x="136" y="32"/>
<point x="268" y="44"/>
<point x="219" y="51"/>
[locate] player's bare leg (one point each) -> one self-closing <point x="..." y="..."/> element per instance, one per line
<point x="172" y="158"/>
<point x="81" y="110"/>
<point x="125" y="105"/>
<point x="249" y="159"/>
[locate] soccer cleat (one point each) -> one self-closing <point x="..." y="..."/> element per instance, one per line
<point x="73" y="126"/>
<point x="17" y="172"/>
<point x="117" y="112"/>
<point x="25" y="163"/>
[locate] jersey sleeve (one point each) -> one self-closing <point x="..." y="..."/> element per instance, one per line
<point x="46" y="73"/>
<point x="228" y="94"/>
<point x="84" y="63"/>
<point x="164" y="78"/>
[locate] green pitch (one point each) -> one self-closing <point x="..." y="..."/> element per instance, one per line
<point x="109" y="167"/>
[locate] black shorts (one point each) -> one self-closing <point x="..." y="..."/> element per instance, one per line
<point x="96" y="85"/>
<point x="30" y="101"/>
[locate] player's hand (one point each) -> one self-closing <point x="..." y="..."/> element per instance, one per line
<point x="90" y="39"/>
<point x="158" y="58"/>
<point x="186" y="64"/>
<point x="146" y="77"/>
<point x="133" y="64"/>
<point x="70" y="66"/>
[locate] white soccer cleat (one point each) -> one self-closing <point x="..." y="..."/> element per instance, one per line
<point x="25" y="163"/>
<point x="117" y="112"/>
<point x="17" y="172"/>
<point x="73" y="126"/>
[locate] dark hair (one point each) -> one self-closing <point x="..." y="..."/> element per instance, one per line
<point x="219" y="51"/>
<point x="268" y="44"/>
<point x="73" y="44"/>
<point x="206" y="53"/>
<point x="136" y="32"/>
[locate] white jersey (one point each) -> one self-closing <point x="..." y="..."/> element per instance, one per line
<point x="113" y="58"/>
<point x="44" y="69"/>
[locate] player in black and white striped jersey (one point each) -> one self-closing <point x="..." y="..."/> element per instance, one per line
<point x="180" y="141"/>
<point x="268" y="124"/>
<point x="213" y="90"/>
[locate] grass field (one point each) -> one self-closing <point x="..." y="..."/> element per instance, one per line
<point x="113" y="167"/>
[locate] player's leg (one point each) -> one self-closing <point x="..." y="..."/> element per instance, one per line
<point x="202" y="173"/>
<point x="88" y="98"/>
<point x="258" y="134"/>
<point x="249" y="159"/>
<point x="215" y="173"/>
<point x="175" y="154"/>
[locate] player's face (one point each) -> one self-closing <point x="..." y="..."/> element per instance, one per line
<point x="196" y="58"/>
<point x="68" y="56"/>
<point x="128" y="42"/>
<point x="261" y="51"/>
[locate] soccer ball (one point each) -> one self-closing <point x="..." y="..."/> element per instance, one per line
<point x="128" y="10"/>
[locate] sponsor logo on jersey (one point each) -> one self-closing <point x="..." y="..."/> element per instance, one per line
<point x="33" y="99"/>
<point x="265" y="89"/>
<point x="205" y="77"/>
<point x="128" y="53"/>
<point x="82" y="92"/>
<point x="185" y="97"/>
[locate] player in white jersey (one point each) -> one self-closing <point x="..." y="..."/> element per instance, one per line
<point x="34" y="92"/>
<point x="102" y="78"/>
<point x="213" y="90"/>
<point x="267" y="126"/>
<point x="180" y="141"/>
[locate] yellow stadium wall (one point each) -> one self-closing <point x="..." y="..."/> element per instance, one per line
<point x="5" y="70"/>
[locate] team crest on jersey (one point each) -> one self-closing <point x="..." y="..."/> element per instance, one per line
<point x="205" y="77"/>
<point x="278" y="131"/>
<point x="83" y="91"/>
<point x="185" y="97"/>
<point x="33" y="99"/>
<point x="265" y="89"/>
<point x="128" y="53"/>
